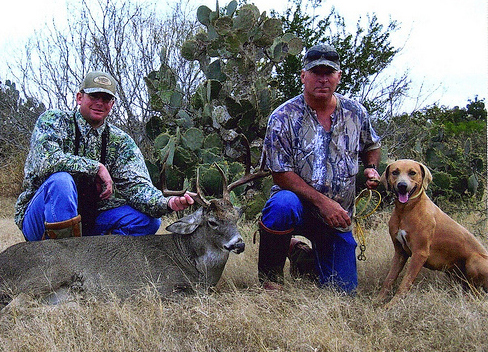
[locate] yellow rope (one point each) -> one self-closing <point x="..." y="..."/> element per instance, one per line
<point x="362" y="210"/>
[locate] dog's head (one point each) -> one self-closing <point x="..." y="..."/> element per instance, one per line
<point x="406" y="178"/>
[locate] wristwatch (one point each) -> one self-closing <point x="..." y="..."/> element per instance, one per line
<point x="370" y="166"/>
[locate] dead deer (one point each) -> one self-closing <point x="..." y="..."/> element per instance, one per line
<point x="191" y="257"/>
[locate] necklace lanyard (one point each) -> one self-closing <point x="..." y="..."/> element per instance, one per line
<point x="103" y="153"/>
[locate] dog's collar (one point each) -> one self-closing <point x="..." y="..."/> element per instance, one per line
<point x="418" y="194"/>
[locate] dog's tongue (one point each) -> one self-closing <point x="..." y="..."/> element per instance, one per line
<point x="403" y="198"/>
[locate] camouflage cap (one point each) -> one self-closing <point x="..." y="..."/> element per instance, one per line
<point x="321" y="54"/>
<point x="99" y="82"/>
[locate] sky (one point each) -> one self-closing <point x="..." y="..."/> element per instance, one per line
<point x="445" y="43"/>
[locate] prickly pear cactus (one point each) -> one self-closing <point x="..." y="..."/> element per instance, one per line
<point x="237" y="50"/>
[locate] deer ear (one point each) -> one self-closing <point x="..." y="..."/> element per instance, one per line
<point x="186" y="225"/>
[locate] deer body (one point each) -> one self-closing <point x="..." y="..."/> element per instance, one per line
<point x="193" y="256"/>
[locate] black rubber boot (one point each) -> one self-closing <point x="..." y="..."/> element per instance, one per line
<point x="273" y="250"/>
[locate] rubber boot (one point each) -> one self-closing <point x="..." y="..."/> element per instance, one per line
<point x="273" y="250"/>
<point x="63" y="229"/>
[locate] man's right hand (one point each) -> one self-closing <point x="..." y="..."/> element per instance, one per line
<point x="333" y="214"/>
<point x="104" y="182"/>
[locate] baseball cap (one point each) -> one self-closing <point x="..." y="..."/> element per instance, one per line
<point x="99" y="82"/>
<point x="321" y="54"/>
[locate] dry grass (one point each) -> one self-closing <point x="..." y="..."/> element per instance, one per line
<point x="239" y="316"/>
<point x="12" y="174"/>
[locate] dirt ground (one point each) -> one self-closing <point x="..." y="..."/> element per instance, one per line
<point x="9" y="233"/>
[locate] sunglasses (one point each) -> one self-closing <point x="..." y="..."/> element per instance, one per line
<point x="313" y="55"/>
<point x="104" y="97"/>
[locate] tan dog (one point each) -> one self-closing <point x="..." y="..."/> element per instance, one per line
<point x="419" y="229"/>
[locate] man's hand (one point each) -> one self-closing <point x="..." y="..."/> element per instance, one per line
<point x="179" y="203"/>
<point x="371" y="158"/>
<point x="104" y="182"/>
<point x="333" y="214"/>
<point x="373" y="177"/>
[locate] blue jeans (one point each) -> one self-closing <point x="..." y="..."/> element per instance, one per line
<point x="335" y="251"/>
<point x="57" y="200"/>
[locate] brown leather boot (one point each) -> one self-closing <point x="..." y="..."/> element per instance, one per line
<point x="302" y="260"/>
<point x="273" y="249"/>
<point x="63" y="229"/>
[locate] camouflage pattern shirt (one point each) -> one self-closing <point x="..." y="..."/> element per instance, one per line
<point x="52" y="150"/>
<point x="327" y="161"/>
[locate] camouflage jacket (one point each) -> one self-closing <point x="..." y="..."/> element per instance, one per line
<point x="328" y="161"/>
<point x="52" y="149"/>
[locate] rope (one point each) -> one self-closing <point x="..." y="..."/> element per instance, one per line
<point x="366" y="203"/>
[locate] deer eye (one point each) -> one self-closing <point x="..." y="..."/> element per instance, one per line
<point x="213" y="223"/>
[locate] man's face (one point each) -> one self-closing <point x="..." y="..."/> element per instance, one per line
<point x="94" y="107"/>
<point x="320" y="81"/>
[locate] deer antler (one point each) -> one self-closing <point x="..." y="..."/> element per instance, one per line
<point x="248" y="176"/>
<point x="225" y="191"/>
<point x="197" y="197"/>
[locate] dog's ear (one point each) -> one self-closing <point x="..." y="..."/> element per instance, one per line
<point x="426" y="176"/>
<point x="384" y="178"/>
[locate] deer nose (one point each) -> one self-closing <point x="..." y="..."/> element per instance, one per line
<point x="402" y="187"/>
<point x="237" y="247"/>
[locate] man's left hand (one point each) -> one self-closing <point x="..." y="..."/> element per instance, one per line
<point x="373" y="178"/>
<point x="104" y="182"/>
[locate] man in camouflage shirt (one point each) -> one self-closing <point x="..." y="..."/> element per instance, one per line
<point x="312" y="146"/>
<point x="77" y="158"/>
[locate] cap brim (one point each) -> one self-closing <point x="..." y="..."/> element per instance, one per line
<point x="322" y="62"/>
<point x="98" y="90"/>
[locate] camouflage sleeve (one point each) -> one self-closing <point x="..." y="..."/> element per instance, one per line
<point x="132" y="181"/>
<point x="51" y="149"/>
